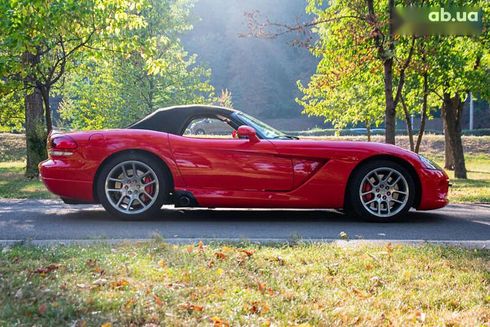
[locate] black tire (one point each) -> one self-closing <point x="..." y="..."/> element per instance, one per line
<point x="155" y="165"/>
<point x="354" y="200"/>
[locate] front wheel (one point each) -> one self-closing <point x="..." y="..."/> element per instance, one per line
<point x="381" y="191"/>
<point x="132" y="186"/>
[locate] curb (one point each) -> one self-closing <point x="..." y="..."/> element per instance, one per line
<point x="471" y="244"/>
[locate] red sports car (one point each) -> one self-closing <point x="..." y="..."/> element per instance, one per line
<point x="241" y="162"/>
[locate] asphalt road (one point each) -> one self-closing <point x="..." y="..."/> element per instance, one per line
<point x="52" y="221"/>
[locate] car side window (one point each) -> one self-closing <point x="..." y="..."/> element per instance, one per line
<point x="208" y="127"/>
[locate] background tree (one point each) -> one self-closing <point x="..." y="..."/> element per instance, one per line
<point x="40" y="37"/>
<point x="118" y="88"/>
<point x="458" y="65"/>
<point x="357" y="38"/>
<point x="351" y="100"/>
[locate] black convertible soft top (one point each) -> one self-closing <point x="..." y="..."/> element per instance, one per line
<point x="174" y="119"/>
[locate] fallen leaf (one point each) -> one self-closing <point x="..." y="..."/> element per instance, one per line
<point x="261" y="287"/>
<point x="420" y="316"/>
<point x="47" y="269"/>
<point x="42" y="309"/>
<point x="257" y="307"/>
<point x="218" y="322"/>
<point x="157" y="300"/>
<point x="99" y="270"/>
<point x="220" y="255"/>
<point x="191" y="307"/>
<point x="106" y="324"/>
<point x="266" y="323"/>
<point x="249" y="253"/>
<point x="119" y="283"/>
<point x="129" y="304"/>
<point x="162" y="263"/>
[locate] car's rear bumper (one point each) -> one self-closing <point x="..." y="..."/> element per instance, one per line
<point x="61" y="180"/>
<point x="435" y="187"/>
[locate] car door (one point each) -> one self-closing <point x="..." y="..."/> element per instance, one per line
<point x="219" y="161"/>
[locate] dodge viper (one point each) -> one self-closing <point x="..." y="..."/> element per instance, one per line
<point x="241" y="162"/>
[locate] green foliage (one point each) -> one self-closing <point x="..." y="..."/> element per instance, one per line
<point x="119" y="88"/>
<point x="119" y="60"/>
<point x="348" y="85"/>
<point x="11" y="109"/>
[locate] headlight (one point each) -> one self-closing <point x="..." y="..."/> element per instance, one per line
<point x="429" y="164"/>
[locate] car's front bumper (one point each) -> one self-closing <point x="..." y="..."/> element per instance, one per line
<point x="434" y="187"/>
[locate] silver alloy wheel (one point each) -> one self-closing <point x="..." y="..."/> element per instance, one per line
<point x="384" y="192"/>
<point x="131" y="187"/>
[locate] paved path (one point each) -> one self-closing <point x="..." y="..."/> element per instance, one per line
<point x="51" y="221"/>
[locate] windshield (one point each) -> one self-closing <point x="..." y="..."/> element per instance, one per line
<point x="267" y="131"/>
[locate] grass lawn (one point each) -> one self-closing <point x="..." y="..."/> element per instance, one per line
<point x="477" y="187"/>
<point x="155" y="283"/>
<point x="13" y="184"/>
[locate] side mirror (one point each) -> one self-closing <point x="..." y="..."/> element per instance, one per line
<point x="248" y="132"/>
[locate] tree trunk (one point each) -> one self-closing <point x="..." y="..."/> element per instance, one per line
<point x="423" y="115"/>
<point x="47" y="109"/>
<point x="34" y="121"/>
<point x="409" y="124"/>
<point x="390" y="110"/>
<point x="452" y="109"/>
<point x="448" y="153"/>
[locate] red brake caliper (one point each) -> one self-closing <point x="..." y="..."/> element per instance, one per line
<point x="366" y="188"/>
<point x="148" y="189"/>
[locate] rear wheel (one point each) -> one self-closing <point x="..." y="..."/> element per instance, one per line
<point x="132" y="186"/>
<point x="381" y="191"/>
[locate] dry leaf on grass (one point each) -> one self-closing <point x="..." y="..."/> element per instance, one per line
<point x="47" y="269"/>
<point x="257" y="307"/>
<point x="220" y="255"/>
<point x="218" y="322"/>
<point x="119" y="283"/>
<point x="200" y="246"/>
<point x="249" y="253"/>
<point x="191" y="307"/>
<point x="42" y="309"/>
<point x="157" y="300"/>
<point x="162" y="263"/>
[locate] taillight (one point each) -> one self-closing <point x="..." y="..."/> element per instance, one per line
<point x="62" y="146"/>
